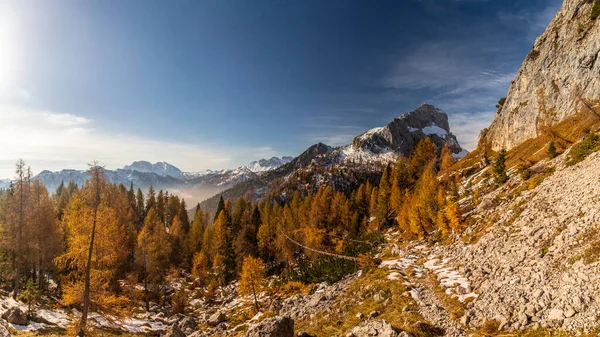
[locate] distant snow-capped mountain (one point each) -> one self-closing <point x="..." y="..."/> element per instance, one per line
<point x="268" y="164"/>
<point x="161" y="168"/>
<point x="194" y="186"/>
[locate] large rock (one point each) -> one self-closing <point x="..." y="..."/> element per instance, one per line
<point x="272" y="327"/>
<point x="14" y="315"/>
<point x="217" y="318"/>
<point x="4" y="329"/>
<point x="174" y="331"/>
<point x="403" y="133"/>
<point x="379" y="328"/>
<point x="187" y="325"/>
<point x="561" y="69"/>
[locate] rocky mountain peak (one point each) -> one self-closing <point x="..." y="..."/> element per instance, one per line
<point x="404" y="132"/>
<point x="161" y="168"/>
<point x="558" y="78"/>
<point x="263" y="165"/>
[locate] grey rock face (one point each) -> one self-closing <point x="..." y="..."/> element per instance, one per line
<point x="560" y="71"/>
<point x="272" y="327"/>
<point x="15" y="316"/>
<point x="403" y="133"/>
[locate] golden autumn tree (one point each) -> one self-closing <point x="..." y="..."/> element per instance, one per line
<point x="383" y="197"/>
<point x="200" y="267"/>
<point x="152" y="254"/>
<point x="419" y="214"/>
<point x="252" y="278"/>
<point x="45" y="232"/>
<point x="446" y="158"/>
<point x="21" y="195"/>
<point x="94" y="248"/>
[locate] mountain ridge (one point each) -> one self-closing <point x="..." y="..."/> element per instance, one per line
<point x="369" y="151"/>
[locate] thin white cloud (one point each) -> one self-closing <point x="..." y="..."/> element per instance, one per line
<point x="55" y="141"/>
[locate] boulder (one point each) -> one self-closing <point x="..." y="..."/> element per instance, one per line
<point x="379" y="328"/>
<point x="272" y="327"/>
<point x="187" y="325"/>
<point x="4" y="329"/>
<point x="14" y="315"/>
<point x="216" y="318"/>
<point x="174" y="331"/>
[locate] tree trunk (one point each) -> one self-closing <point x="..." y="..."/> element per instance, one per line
<point x="86" y="287"/>
<point x="20" y="173"/>
<point x="255" y="299"/>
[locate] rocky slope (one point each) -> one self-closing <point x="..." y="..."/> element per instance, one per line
<point x="557" y="79"/>
<point x="538" y="264"/>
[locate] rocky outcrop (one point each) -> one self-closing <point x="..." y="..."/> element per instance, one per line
<point x="558" y="75"/>
<point x="403" y="133"/>
<point x="272" y="327"/>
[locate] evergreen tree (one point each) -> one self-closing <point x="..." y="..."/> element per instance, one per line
<point x="500" y="175"/>
<point x="140" y="213"/>
<point x="183" y="216"/>
<point x="160" y="206"/>
<point x="151" y="202"/>
<point x="551" y="150"/>
<point x="220" y="207"/>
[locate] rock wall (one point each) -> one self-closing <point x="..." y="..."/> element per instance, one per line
<point x="560" y="71"/>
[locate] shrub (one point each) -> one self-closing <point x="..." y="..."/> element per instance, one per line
<point x="533" y="55"/>
<point x="292" y="288"/>
<point x="579" y="151"/>
<point x="179" y="302"/>
<point x="595" y="10"/>
<point x="524" y="170"/>
<point x="551" y="150"/>
<point x="501" y="103"/>
<point x="31" y="295"/>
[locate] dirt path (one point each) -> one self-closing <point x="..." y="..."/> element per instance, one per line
<point x="427" y="276"/>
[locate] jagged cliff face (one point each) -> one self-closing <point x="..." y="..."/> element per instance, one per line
<point x="561" y="70"/>
<point x="403" y="133"/>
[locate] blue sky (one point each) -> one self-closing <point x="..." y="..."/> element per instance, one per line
<point x="214" y="84"/>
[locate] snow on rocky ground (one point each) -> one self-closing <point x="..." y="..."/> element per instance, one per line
<point x="454" y="282"/>
<point x="55" y="317"/>
<point x="409" y="268"/>
<point x="62" y="319"/>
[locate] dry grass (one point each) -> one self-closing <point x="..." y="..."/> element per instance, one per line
<point x="359" y="299"/>
<point x="564" y="134"/>
<point x="451" y="304"/>
<point x="532" y="333"/>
